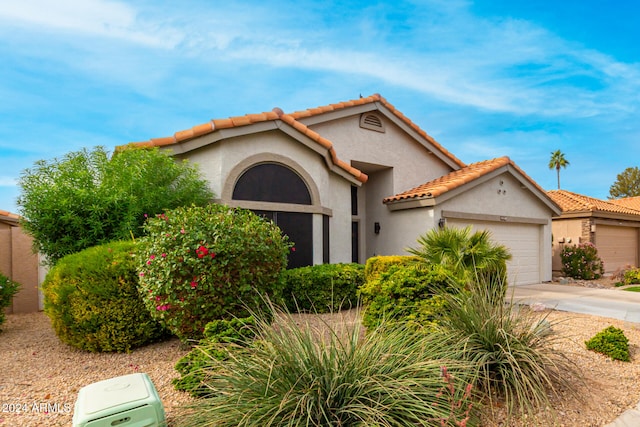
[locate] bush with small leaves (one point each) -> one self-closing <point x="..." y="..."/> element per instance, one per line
<point x="8" y="288"/>
<point x="582" y="261"/>
<point x="631" y="276"/>
<point x="93" y="302"/>
<point x="199" y="264"/>
<point x="409" y="293"/>
<point x="322" y="288"/>
<point x="377" y="265"/>
<point x="611" y="342"/>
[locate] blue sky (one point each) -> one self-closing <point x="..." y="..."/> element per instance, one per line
<point x="485" y="78"/>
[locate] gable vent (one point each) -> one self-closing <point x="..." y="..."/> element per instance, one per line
<point x="371" y="122"/>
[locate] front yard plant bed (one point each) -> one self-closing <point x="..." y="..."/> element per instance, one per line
<point x="42" y="370"/>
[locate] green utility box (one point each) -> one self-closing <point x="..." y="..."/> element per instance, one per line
<point x="126" y="401"/>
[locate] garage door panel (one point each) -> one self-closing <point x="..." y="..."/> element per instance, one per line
<point x="617" y="246"/>
<point x="523" y="242"/>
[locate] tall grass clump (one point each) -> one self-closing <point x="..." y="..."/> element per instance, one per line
<point x="296" y="374"/>
<point x="511" y="347"/>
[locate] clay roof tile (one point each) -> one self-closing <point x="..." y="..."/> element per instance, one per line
<point x="453" y="180"/>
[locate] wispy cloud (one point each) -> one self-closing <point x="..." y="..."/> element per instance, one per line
<point x="7" y="181"/>
<point x="100" y="18"/>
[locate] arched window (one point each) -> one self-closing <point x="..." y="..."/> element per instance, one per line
<point x="271" y="182"/>
<point x="276" y="183"/>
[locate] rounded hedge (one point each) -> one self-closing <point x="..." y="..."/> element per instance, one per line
<point x="199" y="264"/>
<point x="406" y="293"/>
<point x="93" y="302"/>
<point x="322" y="288"/>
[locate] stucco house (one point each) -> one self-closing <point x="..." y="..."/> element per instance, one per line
<point x="613" y="226"/>
<point x="19" y="263"/>
<point x="355" y="179"/>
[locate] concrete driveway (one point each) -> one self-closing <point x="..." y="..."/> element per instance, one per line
<point x="612" y="303"/>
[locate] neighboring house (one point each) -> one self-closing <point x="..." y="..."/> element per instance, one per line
<point x="613" y="226"/>
<point x="19" y="263"/>
<point x="355" y="179"/>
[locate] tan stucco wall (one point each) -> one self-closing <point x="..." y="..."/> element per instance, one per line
<point x="513" y="202"/>
<point x="20" y="264"/>
<point x="565" y="232"/>
<point x="412" y="163"/>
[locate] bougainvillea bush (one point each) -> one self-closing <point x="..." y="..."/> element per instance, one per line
<point x="199" y="264"/>
<point x="582" y="261"/>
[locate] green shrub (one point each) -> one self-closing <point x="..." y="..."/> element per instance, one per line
<point x="405" y="293"/>
<point x="631" y="277"/>
<point x="611" y="342"/>
<point x="200" y="264"/>
<point x="322" y="288"/>
<point x="8" y="288"/>
<point x="93" y="302"/>
<point x="379" y="264"/>
<point x="293" y="376"/>
<point x="90" y="197"/>
<point x="582" y="261"/>
<point x="511" y="348"/>
<point x="217" y="334"/>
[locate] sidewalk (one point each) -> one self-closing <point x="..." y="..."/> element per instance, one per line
<point x="612" y="303"/>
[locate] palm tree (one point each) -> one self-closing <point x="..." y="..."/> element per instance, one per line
<point x="558" y="161"/>
<point x="469" y="256"/>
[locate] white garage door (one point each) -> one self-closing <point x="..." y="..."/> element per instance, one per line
<point x="523" y="242"/>
<point x="617" y="246"/>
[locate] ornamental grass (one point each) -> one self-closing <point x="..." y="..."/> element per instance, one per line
<point x="310" y="373"/>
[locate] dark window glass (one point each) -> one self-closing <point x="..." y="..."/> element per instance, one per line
<point x="354" y="200"/>
<point x="325" y="239"/>
<point x="299" y="228"/>
<point x="355" y="241"/>
<point x="270" y="182"/>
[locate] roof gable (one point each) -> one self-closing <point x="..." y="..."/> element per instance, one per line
<point x="250" y="123"/>
<point x="448" y="185"/>
<point x="378" y="103"/>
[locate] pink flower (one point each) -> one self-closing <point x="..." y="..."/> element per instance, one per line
<point x="152" y="257"/>
<point x="163" y="255"/>
<point x="194" y="284"/>
<point x="182" y="231"/>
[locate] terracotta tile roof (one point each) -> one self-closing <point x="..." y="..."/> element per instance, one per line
<point x="577" y="203"/>
<point x="372" y="99"/>
<point x="455" y="179"/>
<point x="293" y="120"/>
<point x="627" y="202"/>
<point x="7" y="216"/>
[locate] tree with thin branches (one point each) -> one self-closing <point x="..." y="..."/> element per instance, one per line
<point x="558" y="161"/>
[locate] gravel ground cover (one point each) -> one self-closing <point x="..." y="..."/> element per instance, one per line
<point x="41" y="376"/>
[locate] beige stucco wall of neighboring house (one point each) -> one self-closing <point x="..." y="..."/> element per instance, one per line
<point x="565" y="232"/>
<point x="20" y="264"/>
